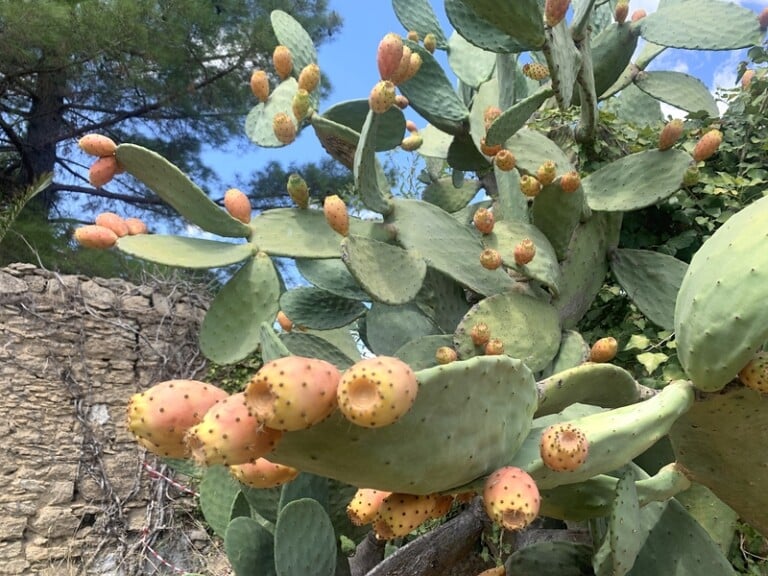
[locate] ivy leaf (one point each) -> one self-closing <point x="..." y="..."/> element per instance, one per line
<point x="652" y="360"/>
<point x="637" y="342"/>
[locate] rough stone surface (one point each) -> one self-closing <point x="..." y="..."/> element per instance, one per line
<point x="75" y="495"/>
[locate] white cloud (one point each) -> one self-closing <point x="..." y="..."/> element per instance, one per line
<point x="671" y="111"/>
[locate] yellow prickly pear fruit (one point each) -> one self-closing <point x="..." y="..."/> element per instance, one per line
<point x="445" y="355"/>
<point x="524" y="252"/>
<point x="260" y="85"/>
<point x="746" y="79"/>
<point x="483" y="220"/>
<point x="570" y="182"/>
<point x="414" y="65"/>
<point x="282" y="59"/>
<point x="102" y="171"/>
<point x="494" y="347"/>
<point x="505" y="160"/>
<point x="382" y="97"/>
<point x="114" y="222"/>
<point x="284" y="128"/>
<point x="670" y="134"/>
<point x="621" y="11"/>
<point x="489" y="116"/>
<point x="365" y="505"/>
<point x="511" y="498"/>
<point x="412" y="142"/>
<point x="300" y="104"/>
<point x="413" y="36"/>
<point x="410" y="125"/>
<point x="604" y="350"/>
<point x="480" y="334"/>
<point x="707" y="145"/>
<point x="285" y="323"/>
<point x="402" y="102"/>
<point x="97" y="145"/>
<point x="238" y="205"/>
<point x="309" y="77"/>
<point x="135" y="226"/>
<point x="430" y="43"/>
<point x="94" y="236"/>
<point x="536" y="71"/>
<point x="263" y="474"/>
<point x="403" y="513"/>
<point x="497" y="571"/>
<point x="490" y="259"/>
<point x="398" y="76"/>
<point x="389" y="55"/>
<point x="755" y="374"/>
<point x="529" y="185"/>
<point x="563" y="447"/>
<point x="298" y="190"/>
<point x="336" y="214"/>
<point x="554" y="11"/>
<point x="546" y="173"/>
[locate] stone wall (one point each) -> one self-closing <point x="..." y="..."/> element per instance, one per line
<point x="75" y="495"/>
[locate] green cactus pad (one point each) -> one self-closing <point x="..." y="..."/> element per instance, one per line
<point x="543" y="268"/>
<point x="446" y="245"/>
<point x="249" y="548"/>
<point x="305" y="542"/>
<point x="184" y="252"/>
<point x="564" y="60"/>
<point x="723" y="442"/>
<point x="291" y="34"/>
<point x="636" y="107"/>
<point x="442" y="300"/>
<point x="679" y="90"/>
<point x="338" y="140"/>
<point x="605" y="385"/>
<point x="612" y="51"/>
<point x="721" y="319"/>
<point x="471" y="64"/>
<point x="418" y="16"/>
<point x="436" y="142"/>
<point x="515" y="117"/>
<point x="636" y="181"/>
<point x="388" y="273"/>
<point x="444" y="194"/>
<point x="178" y="191"/>
<point x="532" y="149"/>
<point x="298" y="233"/>
<point x="312" y="307"/>
<point x="493" y="418"/>
<point x="230" y="329"/>
<point x="341" y="338"/>
<point x="219" y="496"/>
<point x="331" y="275"/>
<point x="431" y="94"/>
<point x="714" y="515"/>
<point x="621" y="546"/>
<point x="305" y="485"/>
<point x="311" y="345"/>
<point x="263" y="502"/>
<point x="463" y="155"/>
<point x="573" y="352"/>
<point x="689" y="25"/>
<point x="511" y="204"/>
<point x="388" y="328"/>
<point x="557" y="214"/>
<point x="550" y="558"/>
<point x="370" y="181"/>
<point x="271" y="346"/>
<point x="529" y="328"/>
<point x="259" y="122"/>
<point x="522" y="20"/>
<point x="652" y="280"/>
<point x="419" y="354"/>
<point x="353" y="114"/>
<point x="479" y="31"/>
<point x="487" y="95"/>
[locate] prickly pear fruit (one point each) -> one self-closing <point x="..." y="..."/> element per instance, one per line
<point x="293" y="393"/>
<point x="525" y="250"/>
<point x="94" y="236"/>
<point x="546" y="173"/>
<point x="530" y="186"/>
<point x="135" y="226"/>
<point x="365" y="505"/>
<point x="570" y="182"/>
<point x="402" y="102"/>
<point x="490" y="259"/>
<point x="536" y="71"/>
<point x="691" y="176"/>
<point x="563" y="447"/>
<point x="300" y="104"/>
<point x="401" y="73"/>
<point x="263" y="474"/>
<point x="389" y="55"/>
<point x="762" y="19"/>
<point x="430" y="43"/>
<point x="505" y="160"/>
<point x="260" y="85"/>
<point x="114" y="222"/>
<point x="161" y="415"/>
<point x="480" y="334"/>
<point x="410" y="125"/>
<point x="483" y="220"/>
<point x="285" y="323"/>
<point x="282" y="59"/>
<point x="336" y="214"/>
<point x="284" y="128"/>
<point x="604" y="350"/>
<point x="489" y="115"/>
<point x="403" y="513"/>
<point x="238" y="205"/>
<point x="97" y="145"/>
<point x="382" y="97"/>
<point x="413" y="36"/>
<point x="497" y="571"/>
<point x="414" y="65"/>
<point x="445" y="355"/>
<point x="102" y="171"/>
<point x="376" y="392"/>
<point x="229" y="434"/>
<point x="511" y="498"/>
<point x="443" y="505"/>
<point x="707" y="145"/>
<point x="489" y="150"/>
<point x="746" y="79"/>
<point x="412" y="142"/>
<point x="298" y="190"/>
<point x="309" y="77"/>
<point x="670" y="134"/>
<point x="755" y="374"/>
<point x="638" y="15"/>
<point x="494" y="347"/>
<point x="621" y="11"/>
<point x="554" y="11"/>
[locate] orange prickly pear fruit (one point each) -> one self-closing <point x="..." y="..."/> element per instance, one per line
<point x="260" y="85"/>
<point x="238" y="205"/>
<point x="285" y="323"/>
<point x="494" y="347"/>
<point x="445" y="355"/>
<point x="430" y="43"/>
<point x="284" y="128"/>
<point x="483" y="220"/>
<point x="480" y="334"/>
<point x="135" y="226"/>
<point x="546" y="173"/>
<point x="536" y="71"/>
<point x="746" y="79"/>
<point x="511" y="498"/>
<point x="300" y="104"/>
<point x="298" y="190"/>
<point x="93" y="236"/>
<point x="309" y="77"/>
<point x="570" y="182"/>
<point x="410" y="125"/>
<point x="403" y="513"/>
<point x="707" y="145"/>
<point x="563" y="447"/>
<point x="604" y="350"/>
<point x="670" y="134"/>
<point x="402" y="102"/>
<point x="389" y="55"/>
<point x="161" y="416"/>
<point x="97" y="145"/>
<point x="102" y="171"/>
<point x="638" y="15"/>
<point x="376" y="392"/>
<point x="490" y="114"/>
<point x="336" y="214"/>
<point x="409" y="66"/>
<point x="554" y="11"/>
<point x="621" y="11"/>
<point x="413" y="36"/>
<point x="497" y="571"/>
<point x="490" y="259"/>
<point x="443" y="505"/>
<point x="365" y="505"/>
<point x="524" y="252"/>
<point x="282" y="59"/>
<point x="530" y="186"/>
<point x="263" y="474"/>
<point x="230" y="434"/>
<point x="382" y="97"/>
<point x="114" y="222"/>
<point x="755" y="374"/>
<point x="412" y="142"/>
<point x="505" y="160"/>
<point x="762" y="19"/>
<point x="489" y="150"/>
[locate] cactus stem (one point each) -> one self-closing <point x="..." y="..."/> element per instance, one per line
<point x="587" y="128"/>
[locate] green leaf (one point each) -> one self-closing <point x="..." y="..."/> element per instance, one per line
<point x="651" y="360"/>
<point x="638" y="342"/>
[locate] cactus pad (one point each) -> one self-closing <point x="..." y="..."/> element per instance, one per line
<point x="679" y="90"/>
<point x="259" y="122"/>
<point x="184" y="252"/>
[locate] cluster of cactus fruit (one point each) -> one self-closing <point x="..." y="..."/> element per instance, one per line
<point x="480" y="382"/>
